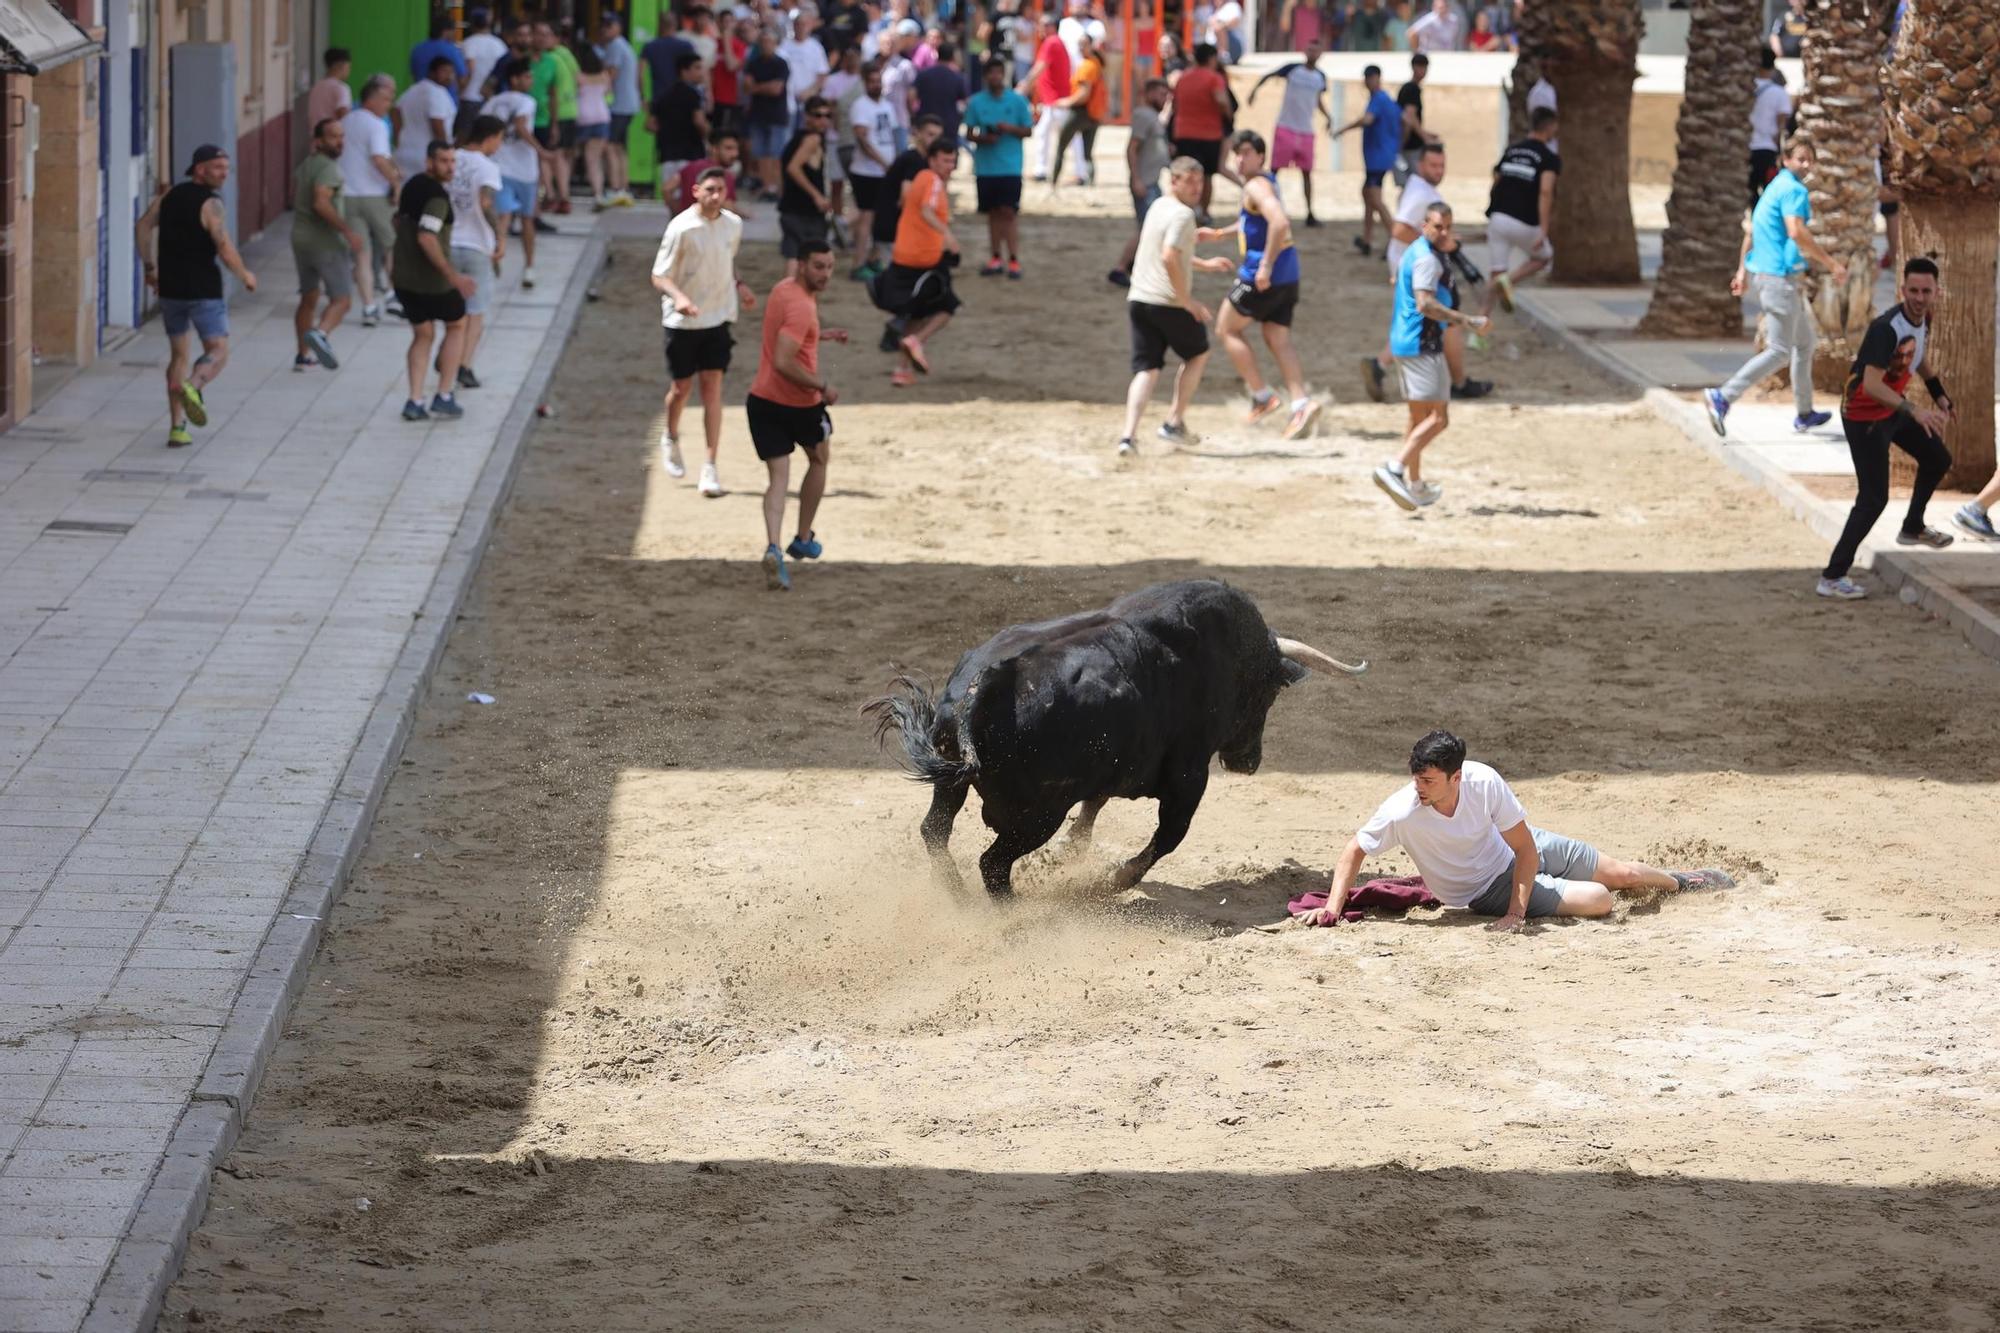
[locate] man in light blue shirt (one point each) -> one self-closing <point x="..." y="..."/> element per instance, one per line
<point x="997" y="119"/>
<point x="1775" y="250"/>
<point x="1426" y="304"/>
<point x="623" y="63"/>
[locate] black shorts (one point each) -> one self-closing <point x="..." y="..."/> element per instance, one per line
<point x="621" y="128"/>
<point x="427" y="307"/>
<point x="797" y="230"/>
<point x="776" y="429"/>
<point x="997" y="192"/>
<point x="1158" y="328"/>
<point x="869" y="192"/>
<point x="691" y="351"/>
<point x="1208" y="152"/>
<point x="1372" y="179"/>
<point x="558" y="134"/>
<point x="915" y="293"/>
<point x="1273" y="305"/>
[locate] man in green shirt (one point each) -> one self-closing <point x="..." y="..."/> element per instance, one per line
<point x="556" y="73"/>
<point x="323" y="247"/>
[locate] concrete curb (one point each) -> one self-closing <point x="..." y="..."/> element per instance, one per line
<point x="149" y="1256"/>
<point x="1897" y="571"/>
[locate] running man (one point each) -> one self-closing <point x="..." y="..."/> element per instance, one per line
<point x="1162" y="308"/>
<point x="1520" y="210"/>
<point x="187" y="273"/>
<point x="1426" y="302"/>
<point x="1775" y="252"/>
<point x="1876" y="412"/>
<point x="370" y="179"/>
<point x="1420" y="190"/>
<point x="429" y="289"/>
<point x="802" y="201"/>
<point x="1381" y="126"/>
<point x="1266" y="290"/>
<point x="997" y="119"/>
<point x="1147" y="154"/>
<point x="700" y="294"/>
<point x="1470" y="837"/>
<point x="874" y="126"/>
<point x="1292" y="139"/>
<point x="519" y="156"/>
<point x="787" y="408"/>
<point x="917" y="285"/>
<point x="323" y="248"/>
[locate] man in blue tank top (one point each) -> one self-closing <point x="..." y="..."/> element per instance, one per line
<point x="1426" y="304"/>
<point x="1266" y="290"/>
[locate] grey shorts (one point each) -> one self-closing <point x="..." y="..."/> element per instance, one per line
<point x="376" y="219"/>
<point x="326" y="270"/>
<point x="1562" y="858"/>
<point x="1426" y="378"/>
<point x="478" y="265"/>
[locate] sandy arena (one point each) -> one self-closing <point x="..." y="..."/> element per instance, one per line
<point x="643" y="1013"/>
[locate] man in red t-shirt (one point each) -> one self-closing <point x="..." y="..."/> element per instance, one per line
<point x="788" y="406"/>
<point x="1047" y="84"/>
<point x="724" y="149"/>
<point x="1202" y="114"/>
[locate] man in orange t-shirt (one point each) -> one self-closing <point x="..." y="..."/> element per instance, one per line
<point x="1088" y="104"/>
<point x="917" y="283"/>
<point x="788" y="406"/>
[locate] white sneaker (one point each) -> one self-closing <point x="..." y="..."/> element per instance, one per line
<point x="1392" y="484"/>
<point x="1846" y="589"/>
<point x="670" y="456"/>
<point x="711" y="485"/>
<point x="1425" y="493"/>
<point x="528" y="276"/>
<point x="371" y="315"/>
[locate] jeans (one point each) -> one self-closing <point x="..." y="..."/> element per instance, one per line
<point x="1788" y="336"/>
<point x="1868" y="442"/>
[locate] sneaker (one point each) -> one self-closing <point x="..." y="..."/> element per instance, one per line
<point x="992" y="268"/>
<point x="563" y="207"/>
<point x="303" y="361"/>
<point x="322" y="347"/>
<point x="1503" y="287"/>
<point x="1302" y="420"/>
<point x="776" y="577"/>
<point x="1718" y="413"/>
<point x="1177" y="432"/>
<point x="892" y="334"/>
<point x="192" y="404"/>
<point x="1478" y="342"/>
<point x="1262" y="407"/>
<point x="1846" y="589"/>
<point x="1425" y="493"/>
<point x="1373" y="377"/>
<point x="670" y="456"/>
<point x="466" y="379"/>
<point x="371" y="315"/>
<point x="1472" y="389"/>
<point x="1690" y="880"/>
<point x="1127" y="449"/>
<point x="1013" y="270"/>
<point x="1363" y="246"/>
<point x="901" y="378"/>
<point x="544" y="227"/>
<point x="179" y="438"/>
<point x="805" y="548"/>
<point x="444" y="405"/>
<point x="1810" y="421"/>
<point x="1118" y="277"/>
<point x="414" y="411"/>
<point x="393" y="308"/>
<point x="1930" y="537"/>
<point x="711" y="484"/>
<point x="862" y="273"/>
<point x="1391" y="484"/>
<point x="528" y="276"/>
<point x="1314" y="222"/>
<point x="1970" y="518"/>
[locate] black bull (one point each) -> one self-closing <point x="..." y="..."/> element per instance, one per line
<point x="1130" y="702"/>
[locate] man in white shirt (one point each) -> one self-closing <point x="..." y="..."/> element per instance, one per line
<point x="369" y="181"/>
<point x="700" y="295"/>
<point x="483" y="54"/>
<point x="1768" y="113"/>
<point x="478" y="236"/>
<point x="806" y="59"/>
<point x="423" y="116"/>
<point x="1464" y="827"/>
<point x="1443" y="29"/>
<point x="520" y="156"/>
<point x="1162" y="309"/>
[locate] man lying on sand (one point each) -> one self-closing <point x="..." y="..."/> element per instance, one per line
<point x="1464" y="827"/>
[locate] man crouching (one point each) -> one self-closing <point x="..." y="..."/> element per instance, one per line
<point x="1464" y="827"/>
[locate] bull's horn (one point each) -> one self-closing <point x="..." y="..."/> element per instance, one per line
<point x="1308" y="656"/>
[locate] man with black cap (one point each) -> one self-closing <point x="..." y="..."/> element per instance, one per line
<point x="193" y="237"/>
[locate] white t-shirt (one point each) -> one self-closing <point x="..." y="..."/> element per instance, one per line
<point x="1304" y="86"/>
<point x="1437" y="32"/>
<point x="1071" y="30"/>
<point x="899" y="76"/>
<point x="1543" y="94"/>
<point x="420" y="104"/>
<point x="1458" y="857"/>
<point x="1417" y="196"/>
<point x="517" y="158"/>
<point x="1767" y="114"/>
<point x="367" y="139"/>
<point x="700" y="256"/>
<point x="482" y="52"/>
<point x="1169" y="224"/>
<point x="806" y="59"/>
<point x="873" y="114"/>
<point x="469" y="229"/>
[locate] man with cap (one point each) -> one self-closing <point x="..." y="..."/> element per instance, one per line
<point x="193" y="237"/>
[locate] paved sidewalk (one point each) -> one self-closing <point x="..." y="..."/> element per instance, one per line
<point x="202" y="652"/>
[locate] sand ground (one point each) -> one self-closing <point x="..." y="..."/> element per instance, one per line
<point x="642" y="1012"/>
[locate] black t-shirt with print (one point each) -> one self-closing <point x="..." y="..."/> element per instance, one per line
<point x="1517" y="181"/>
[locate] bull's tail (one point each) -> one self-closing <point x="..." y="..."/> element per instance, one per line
<point x="909" y="710"/>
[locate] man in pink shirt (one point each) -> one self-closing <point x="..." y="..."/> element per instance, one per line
<point x="331" y="98"/>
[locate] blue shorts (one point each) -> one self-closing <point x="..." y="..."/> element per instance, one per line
<point x="1142" y="202"/>
<point x="769" y="140"/>
<point x="515" y="197"/>
<point x="600" y="130"/>
<point x="209" y="318"/>
<point x="1562" y="858"/>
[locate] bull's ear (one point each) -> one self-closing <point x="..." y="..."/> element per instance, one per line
<point x="1294" y="673"/>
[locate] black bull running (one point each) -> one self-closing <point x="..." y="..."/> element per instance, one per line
<point x="1130" y="702"/>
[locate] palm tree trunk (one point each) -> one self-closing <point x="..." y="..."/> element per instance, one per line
<point x="1705" y="211"/>
<point x="1589" y="49"/>
<point x="1961" y="232"/>
<point x="1840" y="114"/>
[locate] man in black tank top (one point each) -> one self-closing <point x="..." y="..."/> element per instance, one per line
<point x="802" y="202"/>
<point x="193" y="239"/>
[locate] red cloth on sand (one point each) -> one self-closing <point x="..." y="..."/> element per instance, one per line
<point x="1391" y="895"/>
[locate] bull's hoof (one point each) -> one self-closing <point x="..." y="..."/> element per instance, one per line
<point x="1127" y="875"/>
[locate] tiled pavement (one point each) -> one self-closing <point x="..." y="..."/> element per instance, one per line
<point x="199" y="651"/>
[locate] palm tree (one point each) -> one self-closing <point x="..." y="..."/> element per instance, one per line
<point x="1705" y="211"/>
<point x="1840" y="114"/>
<point x="1589" y="49"/>
<point x="1943" y="102"/>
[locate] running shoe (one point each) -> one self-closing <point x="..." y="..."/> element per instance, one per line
<point x="776" y="577"/>
<point x="805" y="548"/>
<point x="670" y="456"/>
<point x="1313" y="222"/>
<point x="1970" y="518"/>
<point x="1127" y="449"/>
<point x="466" y="379"/>
<point x="914" y="349"/>
<point x="322" y="347"/>
<point x="414" y="411"/>
<point x="1810" y="421"/>
<point x="1262" y="407"/>
<point x="992" y="268"/>
<point x="1930" y="537"/>
<point x="394" y="308"/>
<point x="178" y="438"/>
<point x="1472" y="389"/>
<point x="1013" y="270"/>
<point x="444" y="405"/>
<point x="1302" y="420"/>
<point x="544" y="227"/>
<point x="1503" y="287"/>
<point x="892" y="333"/>
<point x="1718" y="412"/>
<point x="1118" y="277"/>
<point x="1703" y="879"/>
<point x="1844" y="588"/>
<point x="711" y="484"/>
<point x="371" y="315"/>
<point x="197" y="410"/>
<point x="1391" y="484"/>
<point x="901" y="378"/>
<point x="1177" y="432"/>
<point x="1425" y="493"/>
<point x="1363" y="246"/>
<point x="303" y="361"/>
<point x="1478" y="342"/>
<point x="528" y="276"/>
<point x="1372" y="378"/>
